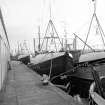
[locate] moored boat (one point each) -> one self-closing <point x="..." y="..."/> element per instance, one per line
<point x="24" y="58"/>
<point x="50" y="60"/>
<point x="96" y="58"/>
<point x="83" y="72"/>
<point x="91" y="65"/>
<point x="52" y="63"/>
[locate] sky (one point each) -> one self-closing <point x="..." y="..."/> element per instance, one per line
<point x="22" y="17"/>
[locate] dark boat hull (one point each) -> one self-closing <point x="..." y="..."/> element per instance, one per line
<point x="60" y="64"/>
<point x="25" y="59"/>
<point x="85" y="72"/>
<point x="82" y="77"/>
<point x="86" y="61"/>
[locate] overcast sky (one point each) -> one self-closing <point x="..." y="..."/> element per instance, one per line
<point x="22" y="17"/>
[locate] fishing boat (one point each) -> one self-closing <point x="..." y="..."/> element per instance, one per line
<point x="83" y="72"/>
<point x="4" y="53"/>
<point x="91" y="66"/>
<point x="97" y="96"/>
<point x="51" y="63"/>
<point x="96" y="58"/>
<point x="50" y="60"/>
<point x="24" y="58"/>
<point x="23" y="53"/>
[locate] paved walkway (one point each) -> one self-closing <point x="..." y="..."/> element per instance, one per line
<point x="24" y="87"/>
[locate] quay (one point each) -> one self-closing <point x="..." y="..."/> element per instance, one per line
<point x="24" y="87"/>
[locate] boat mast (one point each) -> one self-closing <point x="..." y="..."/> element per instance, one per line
<point x="94" y="1"/>
<point x="75" y="43"/>
<point x="39" y="38"/>
<point x="18" y="52"/>
<point x="83" y="42"/>
<point x="25" y="46"/>
<point x="34" y="45"/>
<point x="21" y="48"/>
<point x="50" y="8"/>
<point x="62" y="45"/>
<point x="65" y="38"/>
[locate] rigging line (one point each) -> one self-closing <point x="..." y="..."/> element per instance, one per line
<point x="64" y="73"/>
<point x="51" y="66"/>
<point x="1" y="66"/>
<point x="25" y="45"/>
<point x="95" y="1"/>
<point x="88" y="32"/>
<point x="34" y="45"/>
<point x="100" y="29"/>
<point x="55" y="45"/>
<point x="97" y="80"/>
<point x="57" y="34"/>
<point x="46" y="44"/>
<point x="39" y="38"/>
<point x="65" y="39"/>
<point x="83" y="26"/>
<point x="50" y="8"/>
<point x="54" y="38"/>
<point x="45" y="35"/>
<point x="62" y="44"/>
<point x="84" y="42"/>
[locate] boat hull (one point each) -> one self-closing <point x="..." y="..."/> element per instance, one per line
<point x="25" y="59"/>
<point x="60" y="64"/>
<point x="82" y="77"/>
<point x="85" y="72"/>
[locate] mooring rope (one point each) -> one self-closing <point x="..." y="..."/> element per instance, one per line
<point x="71" y="71"/>
<point x="50" y="67"/>
<point x="46" y="78"/>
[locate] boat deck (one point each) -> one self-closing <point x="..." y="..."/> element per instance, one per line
<point x="24" y="87"/>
